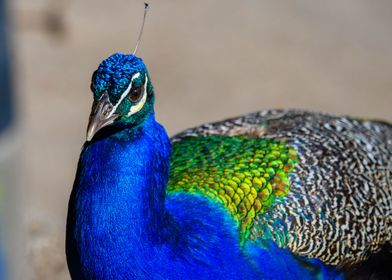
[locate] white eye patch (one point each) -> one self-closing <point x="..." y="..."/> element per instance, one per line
<point x="139" y="106"/>
<point x="124" y="94"/>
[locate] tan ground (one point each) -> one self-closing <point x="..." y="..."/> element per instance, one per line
<point x="208" y="60"/>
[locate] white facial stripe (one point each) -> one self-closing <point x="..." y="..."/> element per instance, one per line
<point x="139" y="106"/>
<point x="125" y="93"/>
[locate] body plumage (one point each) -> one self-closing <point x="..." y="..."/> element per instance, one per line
<point x="269" y="195"/>
<point x="341" y="188"/>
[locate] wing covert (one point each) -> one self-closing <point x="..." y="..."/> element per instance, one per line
<point x="244" y="174"/>
<point x="339" y="207"/>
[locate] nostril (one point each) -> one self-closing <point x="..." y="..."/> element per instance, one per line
<point x="107" y="110"/>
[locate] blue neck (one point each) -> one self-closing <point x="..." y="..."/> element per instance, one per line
<point x="119" y="192"/>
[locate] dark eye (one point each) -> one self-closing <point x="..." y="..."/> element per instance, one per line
<point x="136" y="93"/>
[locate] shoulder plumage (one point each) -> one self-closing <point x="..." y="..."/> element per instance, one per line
<point x="244" y="174"/>
<point x="339" y="170"/>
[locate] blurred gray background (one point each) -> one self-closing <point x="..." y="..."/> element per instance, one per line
<point x="208" y="60"/>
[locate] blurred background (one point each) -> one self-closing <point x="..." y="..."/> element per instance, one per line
<point x="208" y="60"/>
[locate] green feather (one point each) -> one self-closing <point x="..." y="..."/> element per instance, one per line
<point x="242" y="173"/>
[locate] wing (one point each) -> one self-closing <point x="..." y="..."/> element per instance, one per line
<point x="318" y="185"/>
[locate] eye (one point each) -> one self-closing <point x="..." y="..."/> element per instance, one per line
<point x="136" y="93"/>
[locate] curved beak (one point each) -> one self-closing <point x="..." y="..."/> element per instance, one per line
<point x="102" y="114"/>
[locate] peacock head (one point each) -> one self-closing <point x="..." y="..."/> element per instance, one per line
<point x="123" y="94"/>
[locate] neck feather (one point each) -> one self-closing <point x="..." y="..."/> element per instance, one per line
<point x="121" y="183"/>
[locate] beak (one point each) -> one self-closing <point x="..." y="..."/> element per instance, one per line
<point x="102" y="114"/>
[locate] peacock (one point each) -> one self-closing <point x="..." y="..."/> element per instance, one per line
<point x="275" y="194"/>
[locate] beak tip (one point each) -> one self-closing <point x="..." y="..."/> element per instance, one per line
<point x="89" y="135"/>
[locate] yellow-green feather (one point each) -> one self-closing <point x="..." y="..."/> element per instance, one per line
<point x="242" y="173"/>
